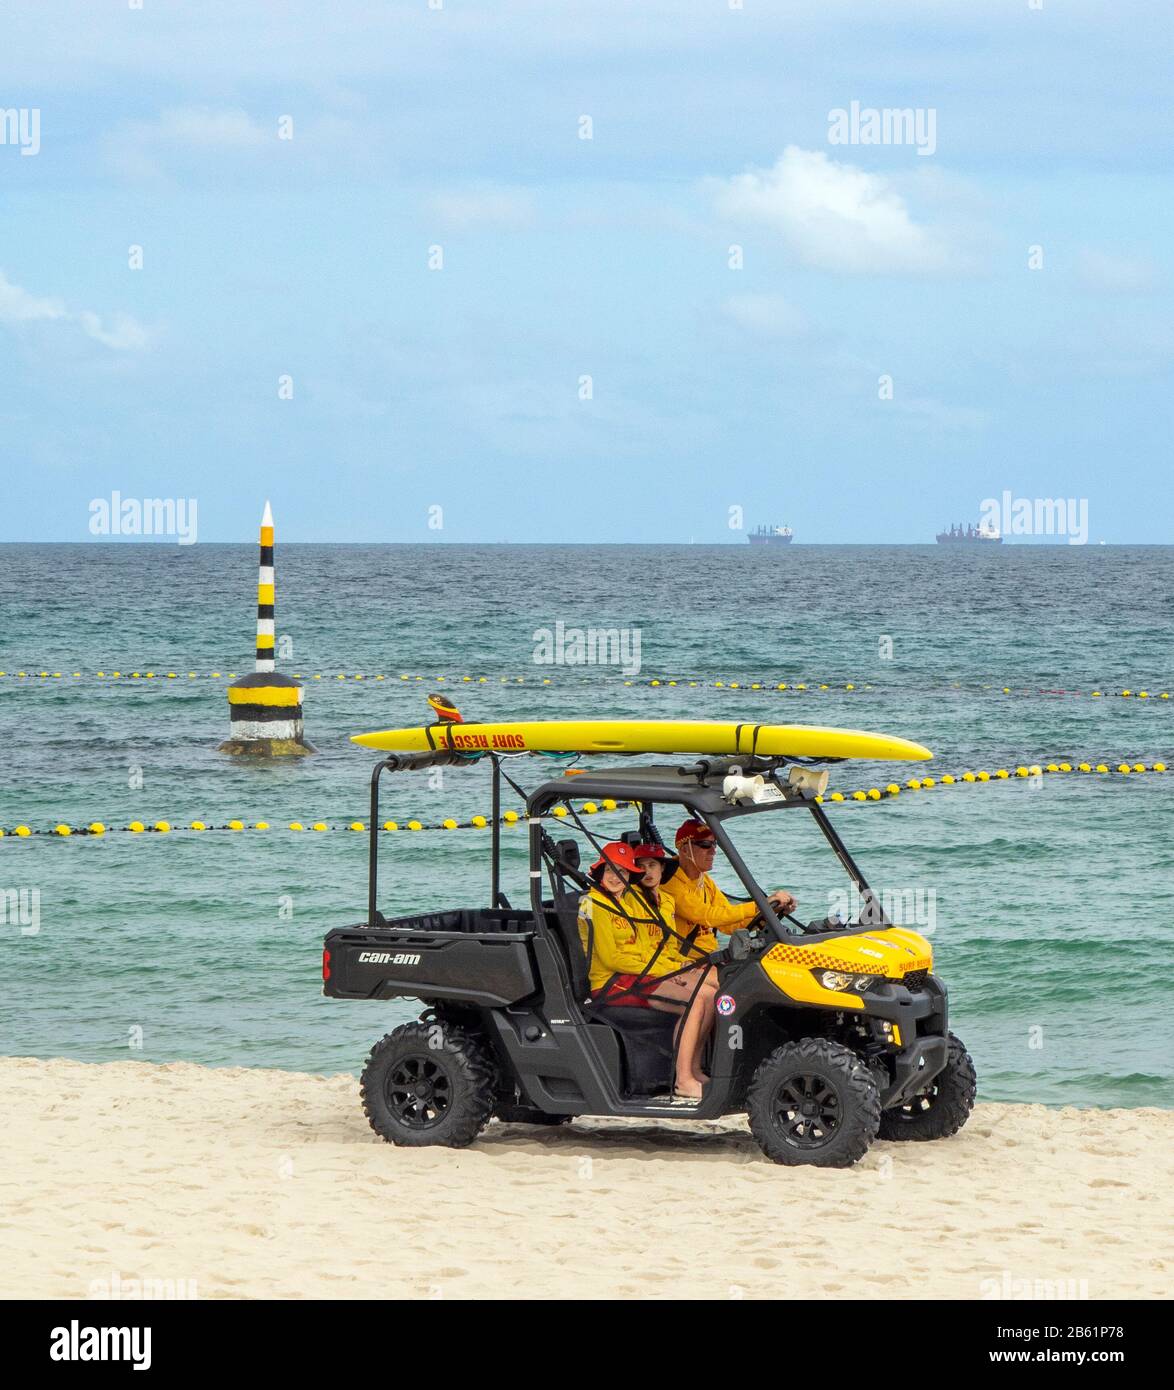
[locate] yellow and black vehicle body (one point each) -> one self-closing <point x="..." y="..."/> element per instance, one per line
<point x="825" y="1034"/>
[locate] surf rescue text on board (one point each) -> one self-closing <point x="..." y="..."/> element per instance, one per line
<point x="488" y="740"/>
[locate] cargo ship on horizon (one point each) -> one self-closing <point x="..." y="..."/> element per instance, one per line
<point x="972" y="535"/>
<point x="771" y="535"/>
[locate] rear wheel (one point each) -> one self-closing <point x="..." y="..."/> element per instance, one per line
<point x="428" y="1083"/>
<point x="813" y="1102"/>
<point x="943" y="1109"/>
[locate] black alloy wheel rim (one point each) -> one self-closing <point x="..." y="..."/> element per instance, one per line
<point x="807" y="1111"/>
<point x="419" y="1092"/>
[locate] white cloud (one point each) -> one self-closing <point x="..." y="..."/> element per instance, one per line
<point x="195" y="142"/>
<point x="202" y="126"/>
<point x="141" y="149"/>
<point x="1115" y="274"/>
<point x="834" y="216"/>
<point x="769" y="314"/>
<point x="484" y="207"/>
<point x="18" y="306"/>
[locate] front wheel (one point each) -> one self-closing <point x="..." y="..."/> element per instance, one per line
<point x="943" y="1109"/>
<point x="428" y="1083"/>
<point x="813" y="1102"/>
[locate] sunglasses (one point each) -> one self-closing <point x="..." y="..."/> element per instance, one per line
<point x="704" y="844"/>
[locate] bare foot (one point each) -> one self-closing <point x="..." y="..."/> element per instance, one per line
<point x="690" y="1088"/>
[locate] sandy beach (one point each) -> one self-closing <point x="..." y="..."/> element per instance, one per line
<point x="235" y="1183"/>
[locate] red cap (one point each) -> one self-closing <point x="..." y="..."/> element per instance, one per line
<point x="649" y="852"/>
<point x="693" y="830"/>
<point x="619" y="855"/>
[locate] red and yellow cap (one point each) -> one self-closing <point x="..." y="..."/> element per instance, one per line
<point x="693" y="830"/>
<point x="619" y="855"/>
<point x="649" y="852"/>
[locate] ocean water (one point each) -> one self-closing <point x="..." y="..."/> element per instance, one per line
<point x="1050" y="903"/>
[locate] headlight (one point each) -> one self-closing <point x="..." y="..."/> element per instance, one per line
<point x="842" y="983"/>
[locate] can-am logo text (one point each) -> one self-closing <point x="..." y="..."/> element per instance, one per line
<point x="387" y="958"/>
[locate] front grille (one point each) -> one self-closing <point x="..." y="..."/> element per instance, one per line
<point x="915" y="979"/>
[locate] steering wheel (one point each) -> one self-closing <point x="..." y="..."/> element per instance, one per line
<point x="758" y="920"/>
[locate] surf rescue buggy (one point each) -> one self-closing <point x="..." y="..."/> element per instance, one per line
<point x="826" y="1034"/>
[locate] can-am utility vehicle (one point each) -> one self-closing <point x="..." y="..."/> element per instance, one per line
<point x="826" y="1036"/>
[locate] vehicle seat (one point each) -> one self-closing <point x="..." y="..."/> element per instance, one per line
<point x="646" y="1035"/>
<point x="646" y="1040"/>
<point x="563" y="917"/>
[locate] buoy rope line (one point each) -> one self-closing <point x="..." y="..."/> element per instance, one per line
<point x="162" y="827"/>
<point x="661" y="682"/>
<point x="888" y="792"/>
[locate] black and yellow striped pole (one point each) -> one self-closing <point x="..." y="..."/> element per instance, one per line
<point x="265" y="708"/>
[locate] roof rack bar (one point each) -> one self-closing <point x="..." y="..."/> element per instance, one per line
<point x="373" y="849"/>
<point x="495" y="868"/>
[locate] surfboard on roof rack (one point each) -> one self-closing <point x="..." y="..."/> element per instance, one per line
<point x="636" y="736"/>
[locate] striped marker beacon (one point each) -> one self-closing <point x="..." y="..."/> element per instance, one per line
<point x="265" y="708"/>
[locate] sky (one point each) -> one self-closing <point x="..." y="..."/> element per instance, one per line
<point x="386" y="281"/>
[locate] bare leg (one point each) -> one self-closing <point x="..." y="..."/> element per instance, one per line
<point x="695" y="1028"/>
<point x="704" y="1007"/>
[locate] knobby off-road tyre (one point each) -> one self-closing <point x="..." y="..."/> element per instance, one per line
<point x="944" y="1108"/>
<point x="428" y="1083"/>
<point x="814" y="1102"/>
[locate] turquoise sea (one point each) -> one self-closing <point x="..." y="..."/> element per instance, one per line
<point x="1052" y="900"/>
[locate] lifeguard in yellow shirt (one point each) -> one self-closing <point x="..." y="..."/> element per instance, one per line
<point x="699" y="904"/>
<point x="623" y="931"/>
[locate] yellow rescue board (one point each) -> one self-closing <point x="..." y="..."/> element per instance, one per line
<point x="648" y="736"/>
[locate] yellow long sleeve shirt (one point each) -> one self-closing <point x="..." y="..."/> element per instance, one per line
<point x="700" y="903"/>
<point x="623" y="936"/>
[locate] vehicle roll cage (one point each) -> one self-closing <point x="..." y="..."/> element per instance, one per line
<point x="697" y="788"/>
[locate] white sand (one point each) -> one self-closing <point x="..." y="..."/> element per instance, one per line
<point x="256" y="1184"/>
